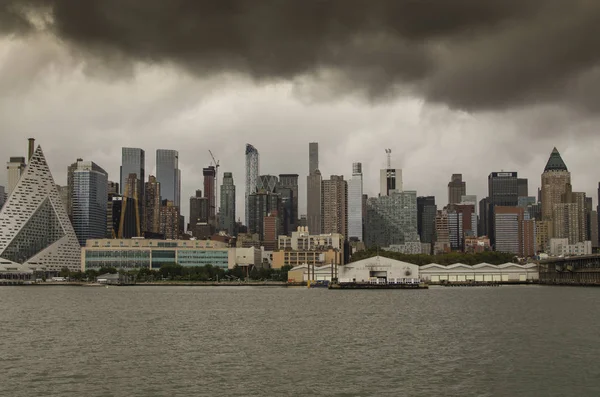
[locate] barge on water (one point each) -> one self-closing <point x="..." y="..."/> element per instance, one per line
<point x="417" y="284"/>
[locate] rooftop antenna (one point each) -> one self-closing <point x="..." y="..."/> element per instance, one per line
<point x="388" y="153"/>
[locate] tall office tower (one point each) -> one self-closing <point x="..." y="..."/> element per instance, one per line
<point x="271" y="231"/>
<point x="482" y="227"/>
<point x="355" y="204"/>
<point x="290" y="207"/>
<point x="456" y="189"/>
<point x="598" y="211"/>
<point x="287" y="201"/>
<point x="15" y="168"/>
<point x="252" y="171"/>
<point x="133" y="208"/>
<point x="227" y="207"/>
<point x="392" y="221"/>
<point x="455" y="230"/>
<point x="152" y="205"/>
<point x="267" y="183"/>
<point x="169" y="220"/>
<point x="210" y="174"/>
<point x="469" y="218"/>
<point x="442" y="233"/>
<point x="389" y="178"/>
<point x="556" y="182"/>
<point x="34" y="226"/>
<point x="133" y="161"/>
<point x="198" y="221"/>
<point x="314" y="185"/>
<point x="502" y="191"/>
<point x="260" y="205"/>
<point x="426" y="212"/>
<point x="335" y="206"/>
<point x="90" y="192"/>
<point x="2" y="196"/>
<point x="70" y="183"/>
<point x="168" y="174"/>
<point x="522" y="187"/>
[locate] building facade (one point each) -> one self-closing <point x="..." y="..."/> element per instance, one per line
<point x="169" y="175"/>
<point x="390" y="179"/>
<point x="502" y="191"/>
<point x="426" y="212"/>
<point x="355" y="204"/>
<point x="90" y="194"/>
<point x="556" y="183"/>
<point x="314" y="185"/>
<point x="288" y="189"/>
<point x="15" y="168"/>
<point x="209" y="173"/>
<point x="314" y="249"/>
<point x="335" y="206"/>
<point x="152" y="205"/>
<point x="34" y="227"/>
<point x="169" y="220"/>
<point x="133" y="161"/>
<point x="261" y="204"/>
<point x="456" y="189"/>
<point x="392" y="220"/>
<point x="252" y="172"/>
<point x="227" y="208"/>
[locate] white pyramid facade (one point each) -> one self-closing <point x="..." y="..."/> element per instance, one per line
<point x="34" y="227"/>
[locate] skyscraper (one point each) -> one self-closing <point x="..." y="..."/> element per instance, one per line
<point x="523" y="187"/>
<point x="556" y="182"/>
<point x="261" y="205"/>
<point x="152" y="205"/>
<point x="70" y="187"/>
<point x="355" y="203"/>
<point x="426" y="212"/>
<point x="131" y="208"/>
<point x="289" y="198"/>
<point x="456" y="189"/>
<point x="502" y="191"/>
<point x="168" y="174"/>
<point x="314" y="184"/>
<point x="15" y="168"/>
<point x="209" y="174"/>
<point x="227" y="208"/>
<point x="335" y="206"/>
<point x="133" y="161"/>
<point x="198" y="221"/>
<point x="34" y="226"/>
<point x="252" y="171"/>
<point x="90" y="194"/>
<point x="169" y="220"/>
<point x="389" y="178"/>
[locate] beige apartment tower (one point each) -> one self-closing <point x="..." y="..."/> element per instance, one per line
<point x="335" y="206"/>
<point x="556" y="183"/>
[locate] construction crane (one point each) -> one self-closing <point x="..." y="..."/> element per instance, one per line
<point x="216" y="187"/>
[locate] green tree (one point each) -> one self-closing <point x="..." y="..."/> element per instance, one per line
<point x="64" y="272"/>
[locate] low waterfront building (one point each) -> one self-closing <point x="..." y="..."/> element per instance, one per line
<point x="508" y="272"/>
<point x="378" y="267"/>
<point x="295" y="258"/>
<point x="305" y="248"/>
<point x="561" y="247"/>
<point x="152" y="254"/>
<point x="304" y="273"/>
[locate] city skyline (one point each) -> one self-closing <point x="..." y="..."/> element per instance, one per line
<point x="371" y="179"/>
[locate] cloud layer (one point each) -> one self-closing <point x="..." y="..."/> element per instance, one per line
<point x="467" y="54"/>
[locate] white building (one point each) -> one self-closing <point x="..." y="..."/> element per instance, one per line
<point x="507" y="272"/>
<point x="355" y="193"/>
<point x="561" y="247"/>
<point x="302" y="240"/>
<point x="34" y="227"/>
<point x="378" y="268"/>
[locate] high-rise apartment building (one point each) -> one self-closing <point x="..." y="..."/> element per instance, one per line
<point x="392" y="220"/>
<point x="508" y="221"/>
<point x="252" y="172"/>
<point x="355" y="204"/>
<point x="556" y="182"/>
<point x="484" y="213"/>
<point x="261" y="204"/>
<point x="442" y="233"/>
<point x="152" y="205"/>
<point x="210" y="187"/>
<point x="288" y="189"/>
<point x="227" y="209"/>
<point x="456" y="189"/>
<point x="70" y="183"/>
<point x="455" y="230"/>
<point x="199" y="213"/>
<point x="169" y="220"/>
<point x="90" y="193"/>
<point x="335" y="206"/>
<point x="314" y="185"/>
<point x="168" y="175"/>
<point x="426" y="212"/>
<point x="15" y="168"/>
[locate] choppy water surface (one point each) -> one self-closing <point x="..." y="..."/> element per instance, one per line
<point x="198" y="341"/>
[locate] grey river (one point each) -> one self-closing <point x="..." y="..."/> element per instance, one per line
<point x="243" y="341"/>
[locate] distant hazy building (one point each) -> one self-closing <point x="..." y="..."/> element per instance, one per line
<point x="355" y="203"/>
<point x="227" y="208"/>
<point x="252" y="172"/>
<point x="267" y="183"/>
<point x="390" y="179"/>
<point x="442" y="233"/>
<point x="2" y="196"/>
<point x="168" y="175"/>
<point x="335" y="206"/>
<point x="210" y="187"/>
<point x="522" y="187"/>
<point x="152" y="205"/>
<point x="15" y="168"/>
<point x="502" y="191"/>
<point x="113" y="187"/>
<point x="426" y="212"/>
<point x="169" y="220"/>
<point x="90" y="185"/>
<point x="514" y="234"/>
<point x="456" y="189"/>
<point x="133" y="161"/>
<point x="392" y="220"/>
<point x="261" y="204"/>
<point x="314" y="185"/>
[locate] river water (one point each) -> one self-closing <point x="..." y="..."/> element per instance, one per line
<point x="244" y="341"/>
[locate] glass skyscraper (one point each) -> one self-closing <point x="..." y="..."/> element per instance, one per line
<point x="227" y="208"/>
<point x="355" y="203"/>
<point x="168" y="175"/>
<point x="252" y="170"/>
<point x="133" y="161"/>
<point x="89" y="201"/>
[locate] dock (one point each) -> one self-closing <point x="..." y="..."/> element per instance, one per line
<point x="354" y="285"/>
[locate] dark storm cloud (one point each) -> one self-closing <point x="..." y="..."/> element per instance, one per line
<point x="469" y="54"/>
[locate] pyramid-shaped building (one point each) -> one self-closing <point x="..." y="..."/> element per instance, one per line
<point x="35" y="230"/>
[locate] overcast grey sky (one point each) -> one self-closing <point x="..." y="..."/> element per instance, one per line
<point x="472" y="88"/>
